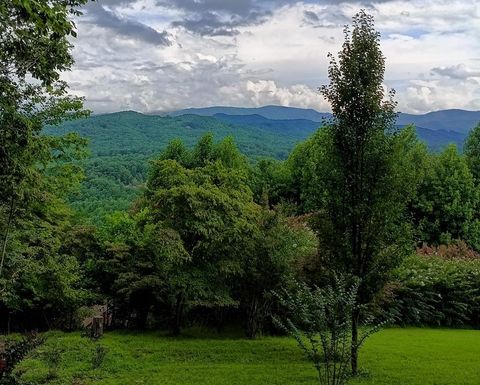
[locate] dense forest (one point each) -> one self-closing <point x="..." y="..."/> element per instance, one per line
<point x="358" y="224"/>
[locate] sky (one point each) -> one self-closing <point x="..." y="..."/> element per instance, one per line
<point x="165" y="55"/>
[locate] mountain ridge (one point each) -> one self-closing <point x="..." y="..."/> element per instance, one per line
<point x="457" y="120"/>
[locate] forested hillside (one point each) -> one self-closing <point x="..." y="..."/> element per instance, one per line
<point x="122" y="143"/>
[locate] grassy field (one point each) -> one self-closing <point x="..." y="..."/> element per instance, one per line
<point x="391" y="357"/>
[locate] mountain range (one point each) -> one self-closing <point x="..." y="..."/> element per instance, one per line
<point x="437" y="129"/>
<point x="456" y="120"/>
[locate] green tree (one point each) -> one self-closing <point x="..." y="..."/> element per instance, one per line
<point x="35" y="169"/>
<point x="40" y="285"/>
<point x="472" y="151"/>
<point x="204" y="151"/>
<point x="141" y="265"/>
<point x="361" y="225"/>
<point x="33" y="44"/>
<point x="176" y="150"/>
<point x="212" y="211"/>
<point x="448" y="200"/>
<point x="278" y="245"/>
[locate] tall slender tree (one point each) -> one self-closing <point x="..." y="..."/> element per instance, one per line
<point x="360" y="226"/>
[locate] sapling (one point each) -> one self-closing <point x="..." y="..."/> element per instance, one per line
<point x="320" y="321"/>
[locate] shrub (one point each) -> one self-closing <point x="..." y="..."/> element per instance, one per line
<point x="320" y="320"/>
<point x="457" y="250"/>
<point x="437" y="290"/>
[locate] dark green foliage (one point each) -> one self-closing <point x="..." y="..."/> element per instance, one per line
<point x="195" y="241"/>
<point x="447" y="201"/>
<point x="269" y="266"/>
<point x="37" y="283"/>
<point x="211" y="211"/>
<point x="472" y="152"/>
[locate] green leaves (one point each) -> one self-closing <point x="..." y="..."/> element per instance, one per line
<point x="37" y="172"/>
<point x="320" y="321"/>
<point x="430" y="290"/>
<point x="448" y="201"/>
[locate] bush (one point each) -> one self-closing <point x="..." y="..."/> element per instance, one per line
<point x="437" y="290"/>
<point x="457" y="250"/>
<point x="320" y="320"/>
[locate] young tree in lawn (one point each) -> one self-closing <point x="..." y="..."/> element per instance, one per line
<point x="360" y="226"/>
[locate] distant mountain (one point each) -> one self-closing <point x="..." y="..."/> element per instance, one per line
<point x="438" y="139"/>
<point x="448" y="120"/>
<point x="269" y="112"/>
<point x="300" y="129"/>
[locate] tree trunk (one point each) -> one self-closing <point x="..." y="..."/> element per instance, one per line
<point x="257" y="313"/>
<point x="97" y="327"/>
<point x="7" y="233"/>
<point x="252" y="319"/>
<point x="220" y="320"/>
<point x="177" y="322"/>
<point x="354" y="347"/>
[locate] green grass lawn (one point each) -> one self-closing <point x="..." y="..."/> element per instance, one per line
<point x="391" y="357"/>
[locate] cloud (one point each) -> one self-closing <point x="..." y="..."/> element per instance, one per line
<point x="459" y="71"/>
<point x="211" y="24"/>
<point x="262" y="92"/>
<point x="105" y="18"/>
<point x="153" y="55"/>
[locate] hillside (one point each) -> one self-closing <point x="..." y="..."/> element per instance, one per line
<point x="122" y="143"/>
<point x="299" y="129"/>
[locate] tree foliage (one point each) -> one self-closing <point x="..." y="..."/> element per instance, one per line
<point x="361" y="224"/>
<point x="447" y="204"/>
<point x="36" y="171"/>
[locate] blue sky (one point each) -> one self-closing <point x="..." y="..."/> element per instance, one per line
<point x="162" y="55"/>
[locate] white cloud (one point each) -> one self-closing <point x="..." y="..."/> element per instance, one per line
<point x="432" y="51"/>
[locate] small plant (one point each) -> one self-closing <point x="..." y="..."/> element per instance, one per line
<point x="320" y="321"/>
<point x="52" y="358"/>
<point x="98" y="356"/>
